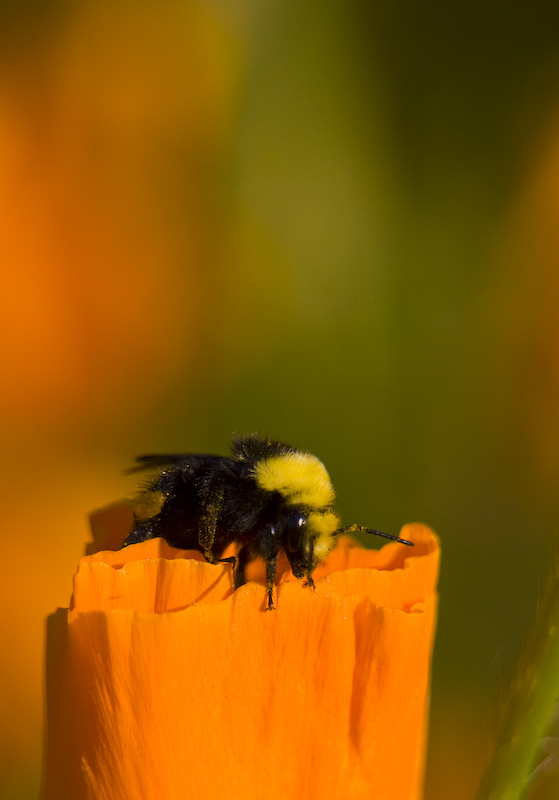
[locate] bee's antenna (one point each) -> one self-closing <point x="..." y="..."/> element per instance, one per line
<point x="353" y="528"/>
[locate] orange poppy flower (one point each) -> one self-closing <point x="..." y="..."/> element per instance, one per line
<point x="165" y="683"/>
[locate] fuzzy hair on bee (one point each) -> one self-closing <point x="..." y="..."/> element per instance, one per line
<point x="266" y="498"/>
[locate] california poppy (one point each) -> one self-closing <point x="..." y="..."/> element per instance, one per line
<point x="165" y="682"/>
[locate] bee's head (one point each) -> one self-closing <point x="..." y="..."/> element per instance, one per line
<point x="309" y="523"/>
<point x="307" y="498"/>
<point x="307" y="537"/>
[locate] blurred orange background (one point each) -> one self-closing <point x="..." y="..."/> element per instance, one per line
<point x="334" y="223"/>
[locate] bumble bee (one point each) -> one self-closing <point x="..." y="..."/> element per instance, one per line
<point x="268" y="497"/>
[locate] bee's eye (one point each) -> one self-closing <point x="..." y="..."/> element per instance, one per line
<point x="295" y="527"/>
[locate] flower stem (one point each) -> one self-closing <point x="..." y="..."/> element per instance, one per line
<point x="533" y="699"/>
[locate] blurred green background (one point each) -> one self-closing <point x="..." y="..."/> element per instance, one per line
<point x="334" y="222"/>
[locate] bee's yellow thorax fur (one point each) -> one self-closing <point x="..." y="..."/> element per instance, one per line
<point x="300" y="477"/>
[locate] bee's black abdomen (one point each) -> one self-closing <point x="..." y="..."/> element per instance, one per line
<point x="194" y="485"/>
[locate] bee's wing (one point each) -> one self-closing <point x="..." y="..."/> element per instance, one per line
<point x="184" y="460"/>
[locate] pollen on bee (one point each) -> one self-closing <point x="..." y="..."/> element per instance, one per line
<point x="148" y="504"/>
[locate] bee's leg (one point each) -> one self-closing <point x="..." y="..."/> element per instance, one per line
<point x="212" y="503"/>
<point x="268" y="542"/>
<point x="229" y="560"/>
<point x="142" y="532"/>
<point x="270" y="581"/>
<point x="146" y="507"/>
<point x="309" y="569"/>
<point x="242" y="561"/>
